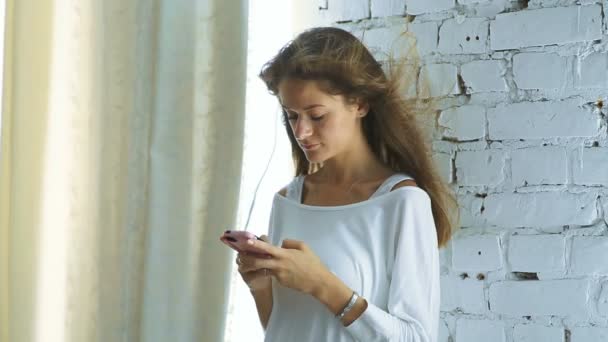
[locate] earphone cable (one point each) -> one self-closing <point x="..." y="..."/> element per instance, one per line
<point x="255" y="193"/>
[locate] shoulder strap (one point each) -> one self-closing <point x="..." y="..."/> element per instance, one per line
<point x="294" y="189"/>
<point x="389" y="183"/>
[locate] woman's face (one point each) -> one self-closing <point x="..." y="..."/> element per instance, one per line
<point x="323" y="124"/>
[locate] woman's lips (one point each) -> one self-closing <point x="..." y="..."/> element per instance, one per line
<point x="310" y="147"/>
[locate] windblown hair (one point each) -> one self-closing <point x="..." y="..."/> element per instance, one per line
<point x="343" y="65"/>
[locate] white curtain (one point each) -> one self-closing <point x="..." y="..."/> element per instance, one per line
<point x="120" y="165"/>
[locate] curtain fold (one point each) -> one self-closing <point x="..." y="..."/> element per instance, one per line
<point x="120" y="166"/>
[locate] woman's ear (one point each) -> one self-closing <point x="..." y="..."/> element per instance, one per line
<point x="362" y="108"/>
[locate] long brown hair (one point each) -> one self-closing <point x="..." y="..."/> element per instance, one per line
<point x="347" y="67"/>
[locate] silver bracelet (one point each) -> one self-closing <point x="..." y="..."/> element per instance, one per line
<point x="349" y="306"/>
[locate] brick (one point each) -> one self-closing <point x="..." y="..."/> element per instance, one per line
<point x="428" y="6"/>
<point x="485" y="167"/>
<point x="426" y="36"/>
<point x="345" y="10"/>
<point x="542" y="209"/>
<point x="468" y="36"/>
<point x="385" y="8"/>
<point x="443" y="161"/>
<point x="540" y="70"/>
<point x="476" y="330"/>
<point x="593" y="71"/>
<point x="463" y="294"/>
<point x="604" y="205"/>
<point x="484" y="76"/>
<point x="539" y="165"/>
<point x="536" y="120"/>
<point x="437" y="80"/>
<point x="444" y="332"/>
<point x="469" y="209"/>
<point x="540" y="298"/>
<point x="588" y="334"/>
<point x="593" y="169"/>
<point x="464" y="123"/>
<point x="602" y="302"/>
<point x="477" y="253"/>
<point x="402" y="41"/>
<point x="537" y="333"/>
<point x="537" y="253"/>
<point x="546" y="26"/>
<point x="385" y="41"/>
<point x="589" y="255"/>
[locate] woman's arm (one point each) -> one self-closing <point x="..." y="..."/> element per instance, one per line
<point x="263" y="303"/>
<point x="412" y="311"/>
<point x="334" y="294"/>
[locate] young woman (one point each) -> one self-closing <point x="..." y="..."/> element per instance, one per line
<point x="353" y="239"/>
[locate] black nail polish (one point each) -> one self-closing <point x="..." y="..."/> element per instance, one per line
<point x="227" y="232"/>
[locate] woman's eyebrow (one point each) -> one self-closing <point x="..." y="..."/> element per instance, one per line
<point x="307" y="108"/>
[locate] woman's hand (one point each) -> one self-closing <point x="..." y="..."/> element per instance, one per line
<point x="293" y="265"/>
<point x="257" y="279"/>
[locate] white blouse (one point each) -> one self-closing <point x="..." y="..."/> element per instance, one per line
<point x="385" y="248"/>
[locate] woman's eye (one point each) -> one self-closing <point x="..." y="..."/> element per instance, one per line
<point x="314" y="118"/>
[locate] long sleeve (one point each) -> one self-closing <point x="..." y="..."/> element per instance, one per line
<point x="413" y="300"/>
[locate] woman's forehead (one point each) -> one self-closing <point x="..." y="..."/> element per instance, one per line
<point x="302" y="94"/>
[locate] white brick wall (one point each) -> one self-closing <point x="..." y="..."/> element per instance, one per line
<point x="540" y="298"/>
<point x="468" y="330"/>
<point x="540" y="70"/>
<point x="593" y="71"/>
<point x="385" y="8"/>
<point x="477" y="253"/>
<point x="463" y="294"/>
<point x="525" y="256"/>
<point x="546" y="26"/>
<point x="593" y="167"/>
<point x="438" y="80"/>
<point x="538" y="333"/>
<point x="426" y="36"/>
<point x="468" y="36"/>
<point x="483" y="76"/>
<point x="444" y="332"/>
<point x="484" y="167"/>
<point x="589" y="334"/>
<point x="522" y="138"/>
<point x="602" y="305"/>
<point x="464" y="123"/>
<point x="535" y="120"/>
<point x="343" y="10"/>
<point x="589" y="255"/>
<point x="539" y="165"/>
<point x="539" y="209"/>
<point x="428" y="6"/>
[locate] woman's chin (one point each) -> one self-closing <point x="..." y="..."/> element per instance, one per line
<point x="314" y="157"/>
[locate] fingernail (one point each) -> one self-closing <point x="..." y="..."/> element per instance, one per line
<point x="250" y="242"/>
<point x="227" y="232"/>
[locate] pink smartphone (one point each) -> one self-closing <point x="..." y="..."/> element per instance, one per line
<point x="237" y="240"/>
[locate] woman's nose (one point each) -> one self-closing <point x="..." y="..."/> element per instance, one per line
<point x="302" y="128"/>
